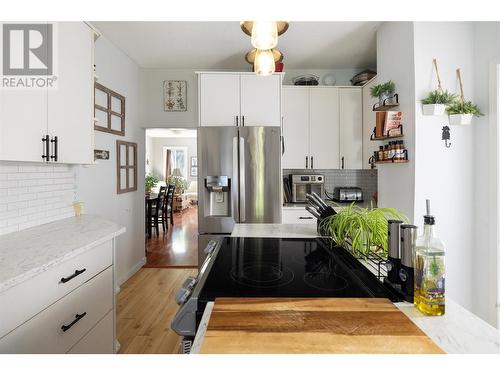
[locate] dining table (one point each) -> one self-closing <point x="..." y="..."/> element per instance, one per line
<point x="151" y="199"/>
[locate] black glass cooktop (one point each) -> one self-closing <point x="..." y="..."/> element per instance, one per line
<point x="287" y="267"/>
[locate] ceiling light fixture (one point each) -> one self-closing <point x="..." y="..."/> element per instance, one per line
<point x="264" y="62"/>
<point x="264" y="37"/>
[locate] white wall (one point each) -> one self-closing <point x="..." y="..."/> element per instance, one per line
<point x="152" y="112"/>
<point x="485" y="266"/>
<point x="158" y="163"/>
<point x="96" y="185"/>
<point x="445" y="175"/>
<point x="149" y="154"/>
<point x="395" y="61"/>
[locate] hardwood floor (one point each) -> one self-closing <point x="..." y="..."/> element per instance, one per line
<point x="178" y="247"/>
<point x="145" y="307"/>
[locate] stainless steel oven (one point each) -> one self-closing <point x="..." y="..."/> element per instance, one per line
<point x="306" y="184"/>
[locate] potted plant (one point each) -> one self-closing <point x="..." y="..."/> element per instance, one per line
<point x="436" y="102"/>
<point x="461" y="112"/>
<point x="361" y="230"/>
<point x="383" y="92"/>
<point x="180" y="183"/>
<point x="150" y="182"/>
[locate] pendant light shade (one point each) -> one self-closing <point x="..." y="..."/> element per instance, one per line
<point x="264" y="62"/>
<point x="264" y="35"/>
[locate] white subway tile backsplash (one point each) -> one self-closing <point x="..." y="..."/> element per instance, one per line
<point x="34" y="194"/>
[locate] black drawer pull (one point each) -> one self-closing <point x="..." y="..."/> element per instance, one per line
<point x="77" y="272"/>
<point x="77" y="318"/>
<point x="305" y="217"/>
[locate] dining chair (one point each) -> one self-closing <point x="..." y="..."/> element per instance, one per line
<point x="156" y="211"/>
<point x="168" y="206"/>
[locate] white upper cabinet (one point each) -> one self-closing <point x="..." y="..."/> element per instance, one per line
<point x="70" y="106"/>
<point x="260" y="100"/>
<point x="23" y="120"/>
<point x="351" y="128"/>
<point x="295" y="127"/>
<point x="239" y="99"/>
<point x="219" y="99"/>
<point x="64" y="111"/>
<point x="324" y="128"/>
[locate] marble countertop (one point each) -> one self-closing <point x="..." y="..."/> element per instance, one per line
<point x="30" y="252"/>
<point x="275" y="230"/>
<point x="458" y="331"/>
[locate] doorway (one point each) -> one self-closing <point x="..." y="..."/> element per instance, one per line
<point x="171" y="160"/>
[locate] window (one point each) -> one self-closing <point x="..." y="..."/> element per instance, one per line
<point x="178" y="160"/>
<point x="126" y="167"/>
<point x="109" y="110"/>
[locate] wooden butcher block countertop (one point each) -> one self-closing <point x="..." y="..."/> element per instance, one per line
<point x="315" y="325"/>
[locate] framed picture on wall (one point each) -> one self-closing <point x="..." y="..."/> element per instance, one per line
<point x="174" y="96"/>
<point x="194" y="161"/>
<point x="194" y="172"/>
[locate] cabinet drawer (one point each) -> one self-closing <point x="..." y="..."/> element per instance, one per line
<point x="27" y="299"/>
<point x="44" y="332"/>
<point x="100" y="339"/>
<point x="297" y="216"/>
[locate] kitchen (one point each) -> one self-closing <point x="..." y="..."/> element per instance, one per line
<point x="318" y="137"/>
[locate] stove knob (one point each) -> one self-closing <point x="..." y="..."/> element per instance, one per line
<point x="182" y="295"/>
<point x="189" y="283"/>
<point x="210" y="247"/>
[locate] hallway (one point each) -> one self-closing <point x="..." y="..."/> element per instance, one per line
<point x="178" y="248"/>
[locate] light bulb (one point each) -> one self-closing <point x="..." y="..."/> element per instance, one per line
<point x="264" y="62"/>
<point x="264" y="34"/>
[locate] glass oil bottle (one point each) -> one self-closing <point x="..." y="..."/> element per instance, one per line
<point x="429" y="271"/>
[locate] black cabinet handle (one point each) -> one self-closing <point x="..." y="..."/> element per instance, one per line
<point x="77" y="272"/>
<point x="242" y="120"/>
<point x="54" y="141"/>
<point x="312" y="162"/>
<point x="307" y="162"/>
<point x="46" y="146"/>
<point x="305" y="217"/>
<point x="342" y="162"/>
<point x="237" y="121"/>
<point x="77" y="318"/>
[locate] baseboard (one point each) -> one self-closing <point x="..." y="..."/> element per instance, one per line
<point x="132" y="271"/>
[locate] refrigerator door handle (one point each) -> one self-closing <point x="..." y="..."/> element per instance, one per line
<point x="242" y="180"/>
<point x="234" y="190"/>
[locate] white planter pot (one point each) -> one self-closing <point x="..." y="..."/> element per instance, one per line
<point x="434" y="109"/>
<point x="462" y="119"/>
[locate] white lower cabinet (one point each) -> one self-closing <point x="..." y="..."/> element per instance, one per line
<point x="296" y="215"/>
<point x="69" y="307"/>
<point x="99" y="340"/>
<point x="60" y="326"/>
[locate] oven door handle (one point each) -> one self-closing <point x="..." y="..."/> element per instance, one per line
<point x="236" y="177"/>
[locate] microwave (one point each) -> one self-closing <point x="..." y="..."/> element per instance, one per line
<point x="306" y="184"/>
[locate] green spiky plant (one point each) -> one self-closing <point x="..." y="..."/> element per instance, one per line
<point x="439" y="97"/>
<point x="387" y="87"/>
<point x="361" y="230"/>
<point x="467" y="107"/>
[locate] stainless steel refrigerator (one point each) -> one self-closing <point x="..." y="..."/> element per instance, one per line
<point x="239" y="179"/>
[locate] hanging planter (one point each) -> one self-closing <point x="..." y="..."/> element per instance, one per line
<point x="436" y="102"/>
<point x="460" y="112"/>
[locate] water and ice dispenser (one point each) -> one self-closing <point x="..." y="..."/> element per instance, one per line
<point x="217" y="196"/>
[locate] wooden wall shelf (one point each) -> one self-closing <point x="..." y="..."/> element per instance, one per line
<point x="391" y="162"/>
<point x="386" y="106"/>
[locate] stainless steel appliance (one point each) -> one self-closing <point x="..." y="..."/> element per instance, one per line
<point x="239" y="179"/>
<point x="347" y="194"/>
<point x="273" y="267"/>
<point x="303" y="184"/>
<point x="408" y="237"/>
